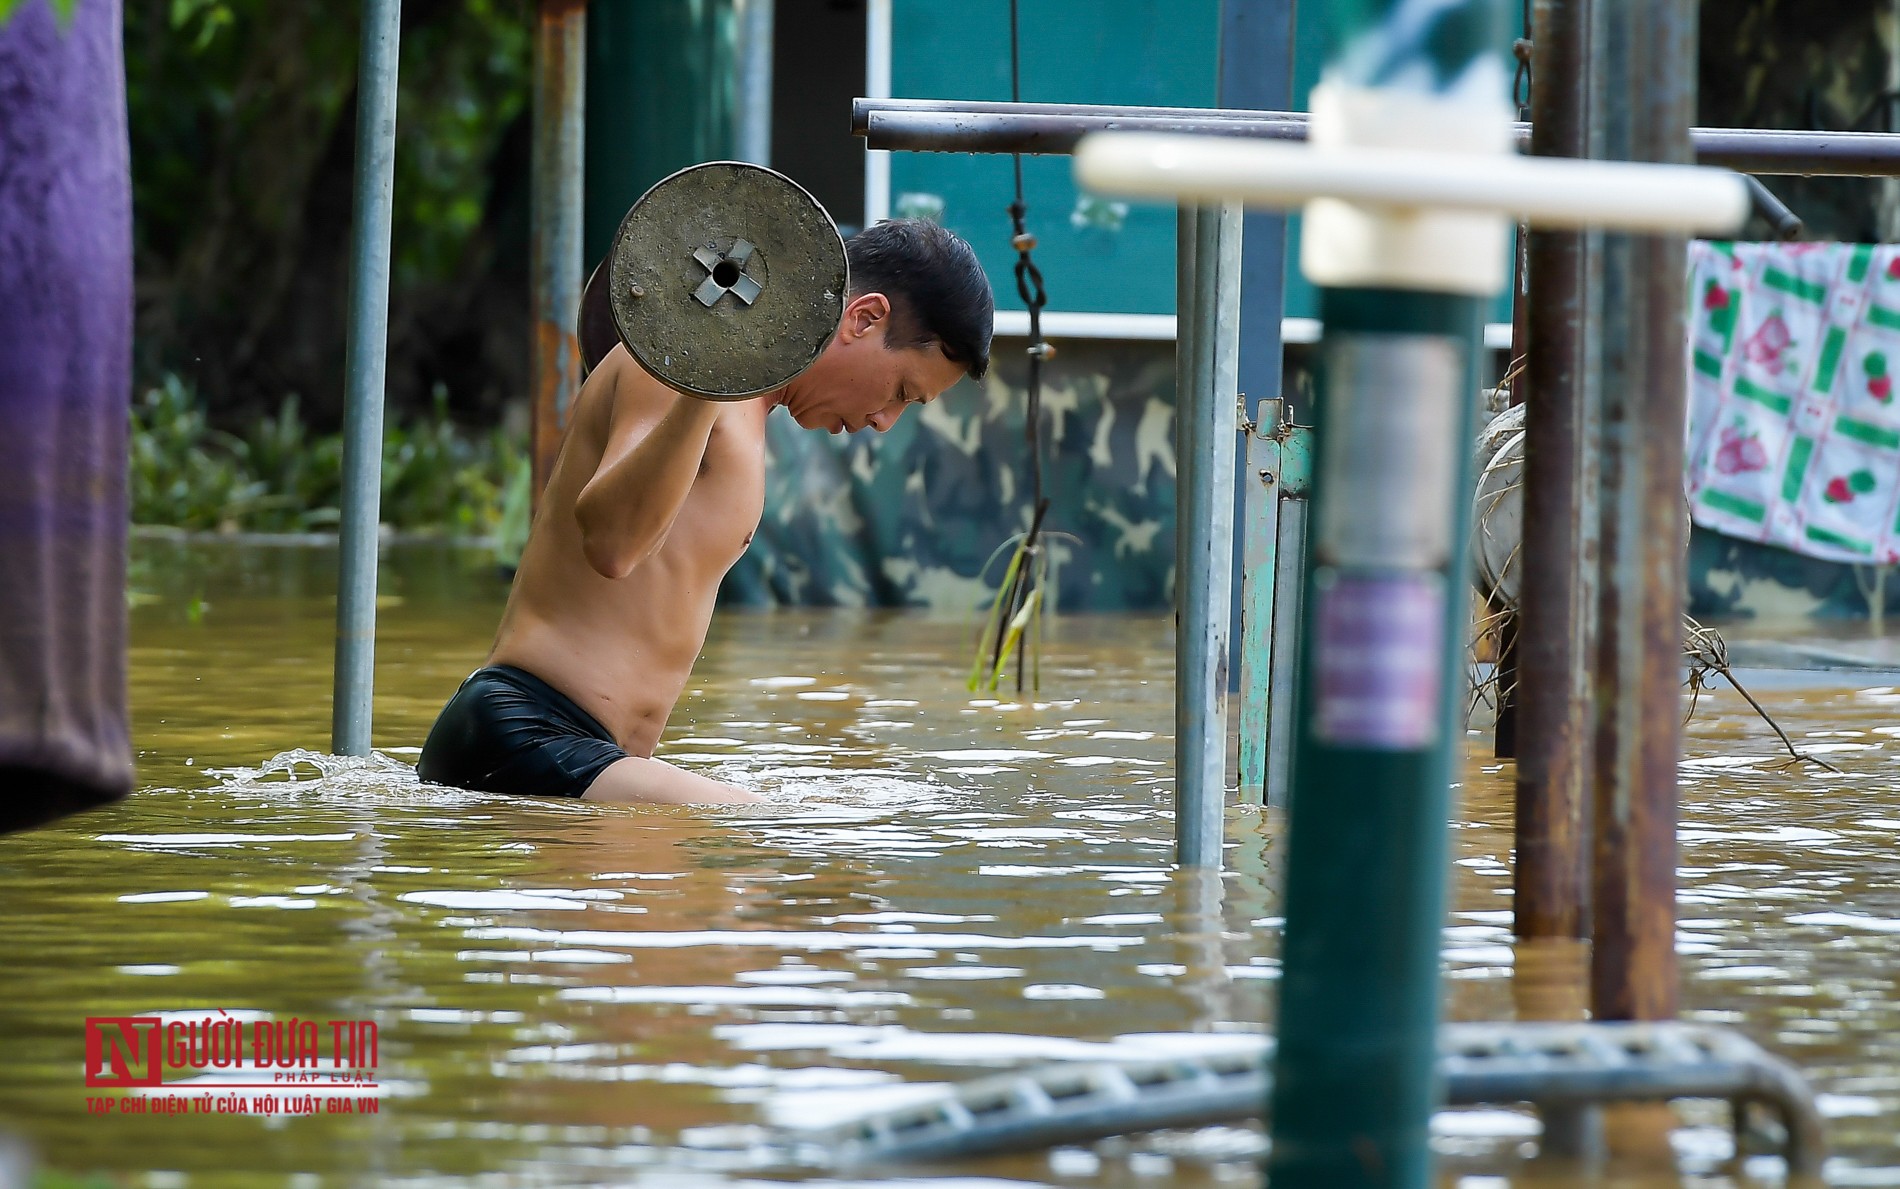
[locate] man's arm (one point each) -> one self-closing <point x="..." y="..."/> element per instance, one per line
<point x="651" y="457"/>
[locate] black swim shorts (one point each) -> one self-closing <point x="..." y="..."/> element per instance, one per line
<point x="508" y="731"/>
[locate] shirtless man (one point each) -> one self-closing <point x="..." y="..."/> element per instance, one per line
<point x="653" y="498"/>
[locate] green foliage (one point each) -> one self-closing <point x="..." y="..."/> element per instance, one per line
<point x="278" y="477"/>
<point x="46" y="1178"/>
<point x="242" y="127"/>
<point x="231" y="101"/>
<point x="1014" y="623"/>
<point x="208" y="16"/>
<point x="63" y="9"/>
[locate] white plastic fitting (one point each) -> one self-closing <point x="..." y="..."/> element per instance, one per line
<point x="1404" y="216"/>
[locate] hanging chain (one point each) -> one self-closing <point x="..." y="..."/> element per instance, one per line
<point x="1522" y="83"/>
<point x="1016" y="616"/>
<point x="1028" y="276"/>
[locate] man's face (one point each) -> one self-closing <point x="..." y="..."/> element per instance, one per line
<point x="861" y="383"/>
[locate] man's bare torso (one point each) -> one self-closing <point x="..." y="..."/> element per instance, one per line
<point x="623" y="648"/>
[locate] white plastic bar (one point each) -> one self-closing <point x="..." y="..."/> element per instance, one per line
<point x="1071" y="324"/>
<point x="1544" y="191"/>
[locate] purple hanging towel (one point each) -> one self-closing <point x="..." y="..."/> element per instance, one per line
<point x="65" y="384"/>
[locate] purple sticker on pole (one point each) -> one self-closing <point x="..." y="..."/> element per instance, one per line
<point x="1379" y="659"/>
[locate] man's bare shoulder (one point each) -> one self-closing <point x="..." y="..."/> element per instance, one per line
<point x="623" y="389"/>
<point x="630" y="395"/>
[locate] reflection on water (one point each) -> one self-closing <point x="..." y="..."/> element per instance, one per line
<point x="939" y="887"/>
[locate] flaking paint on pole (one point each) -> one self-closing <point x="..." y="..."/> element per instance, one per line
<point x="1643" y="99"/>
<point x="365" y="368"/>
<point x="1554" y="621"/>
<point x="557" y="202"/>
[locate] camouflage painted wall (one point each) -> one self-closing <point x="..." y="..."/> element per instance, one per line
<point x="1733" y="579"/>
<point x="1820" y="64"/>
<point x="910" y="517"/>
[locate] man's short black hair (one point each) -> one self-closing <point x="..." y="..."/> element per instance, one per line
<point x="936" y="285"/>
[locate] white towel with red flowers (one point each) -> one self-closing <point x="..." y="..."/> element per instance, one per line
<point x="1794" y="429"/>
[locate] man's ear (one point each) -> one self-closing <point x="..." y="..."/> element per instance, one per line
<point x="862" y="314"/>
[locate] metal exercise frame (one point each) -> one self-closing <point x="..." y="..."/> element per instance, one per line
<point x="1207" y="358"/>
<point x="971" y="126"/>
<point x="1552" y="1066"/>
<point x="1275" y="521"/>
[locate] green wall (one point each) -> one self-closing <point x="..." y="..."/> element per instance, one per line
<point x="660" y="97"/>
<point x="1074" y="51"/>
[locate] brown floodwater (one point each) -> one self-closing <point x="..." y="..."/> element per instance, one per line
<point x="941" y="886"/>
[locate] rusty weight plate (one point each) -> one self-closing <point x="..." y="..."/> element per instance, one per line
<point x="727" y="280"/>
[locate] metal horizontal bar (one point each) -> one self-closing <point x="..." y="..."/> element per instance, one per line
<point x="957" y="126"/>
<point x="999" y="132"/>
<point x="1536" y="1062"/>
<point x="861" y="110"/>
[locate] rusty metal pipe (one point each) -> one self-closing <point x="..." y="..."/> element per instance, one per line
<point x="952" y="126"/>
<point x="1003" y="132"/>
<point x="861" y="110"/>
<point x="1555" y="613"/>
<point x="556" y="199"/>
<point x="1642" y="98"/>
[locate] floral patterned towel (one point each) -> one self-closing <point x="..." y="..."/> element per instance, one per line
<point x="1794" y="432"/>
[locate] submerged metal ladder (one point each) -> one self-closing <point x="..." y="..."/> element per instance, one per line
<point x="1549" y="1065"/>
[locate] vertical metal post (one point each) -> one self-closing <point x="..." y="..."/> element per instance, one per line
<point x="1508" y="625"/>
<point x="1382" y="666"/>
<point x="755" y="81"/>
<point x="1557" y="583"/>
<point x="1641" y="107"/>
<point x="1259" y="481"/>
<point x="1256" y="71"/>
<point x="1205" y="425"/>
<point x="1276" y="478"/>
<point x="365" y="364"/>
<point x="877" y="85"/>
<point x="558" y="206"/>
<point x="1289" y="580"/>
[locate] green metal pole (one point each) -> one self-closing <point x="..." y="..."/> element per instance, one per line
<point x="1382" y="656"/>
